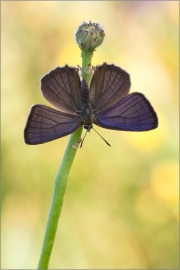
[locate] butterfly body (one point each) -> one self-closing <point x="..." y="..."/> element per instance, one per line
<point x="106" y="103"/>
<point x="87" y="115"/>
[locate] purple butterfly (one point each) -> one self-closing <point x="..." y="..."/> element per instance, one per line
<point x="107" y="103"/>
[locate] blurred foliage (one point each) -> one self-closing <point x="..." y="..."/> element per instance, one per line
<point x="121" y="204"/>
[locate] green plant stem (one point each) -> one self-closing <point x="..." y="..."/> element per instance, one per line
<point x="57" y="200"/>
<point x="61" y="181"/>
<point x="86" y="60"/>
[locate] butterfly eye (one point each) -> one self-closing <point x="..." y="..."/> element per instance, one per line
<point x="88" y="127"/>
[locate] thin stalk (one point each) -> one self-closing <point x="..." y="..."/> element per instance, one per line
<point x="86" y="68"/>
<point x="61" y="180"/>
<point x="57" y="199"/>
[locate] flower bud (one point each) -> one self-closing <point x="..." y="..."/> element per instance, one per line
<point x="89" y="36"/>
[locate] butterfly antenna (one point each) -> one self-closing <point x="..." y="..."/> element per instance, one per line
<point x="81" y="142"/>
<point x="101" y="137"/>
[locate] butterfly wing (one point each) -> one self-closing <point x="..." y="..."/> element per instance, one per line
<point x="109" y="85"/>
<point x="132" y="113"/>
<point x="45" y="124"/>
<point x="61" y="87"/>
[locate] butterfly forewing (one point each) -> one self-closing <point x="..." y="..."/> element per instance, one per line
<point x="61" y="87"/>
<point x="133" y="113"/>
<point x="45" y="124"/>
<point x="109" y="85"/>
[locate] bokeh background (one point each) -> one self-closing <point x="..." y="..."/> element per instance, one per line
<point x="121" y="204"/>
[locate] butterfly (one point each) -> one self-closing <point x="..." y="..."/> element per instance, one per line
<point x="106" y="103"/>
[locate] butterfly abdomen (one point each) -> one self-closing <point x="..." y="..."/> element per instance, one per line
<point x="84" y="92"/>
<point x="86" y="109"/>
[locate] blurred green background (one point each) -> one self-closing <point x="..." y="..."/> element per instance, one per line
<point x="121" y="204"/>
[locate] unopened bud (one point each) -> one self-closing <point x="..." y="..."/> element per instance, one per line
<point x="89" y="36"/>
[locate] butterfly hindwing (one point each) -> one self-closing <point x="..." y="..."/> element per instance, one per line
<point x="45" y="124"/>
<point x="61" y="87"/>
<point x="133" y="113"/>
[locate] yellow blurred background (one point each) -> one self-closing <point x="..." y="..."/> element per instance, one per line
<point x="121" y="204"/>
